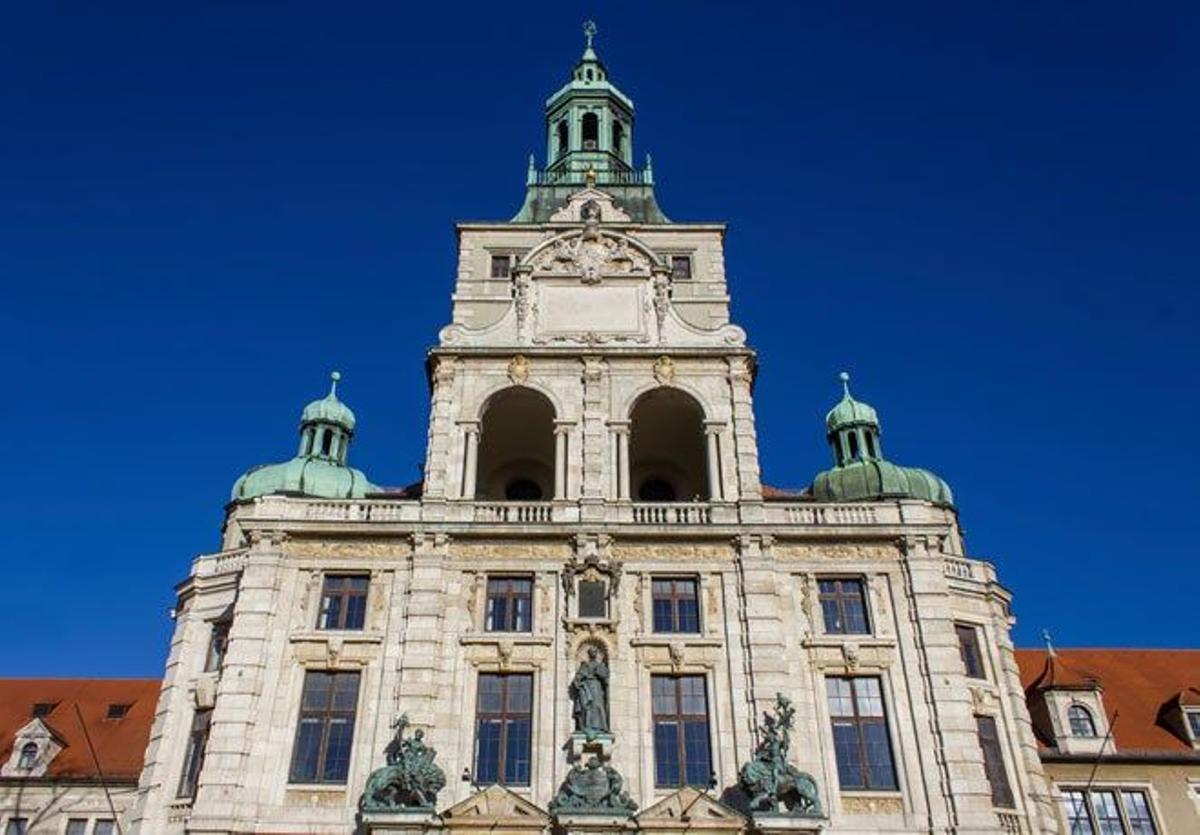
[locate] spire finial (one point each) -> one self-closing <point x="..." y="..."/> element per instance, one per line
<point x="589" y="31"/>
<point x="333" y="381"/>
<point x="845" y="378"/>
<point x="1049" y="644"/>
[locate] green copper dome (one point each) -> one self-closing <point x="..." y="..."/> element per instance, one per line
<point x="849" y="412"/>
<point x="319" y="468"/>
<point x="329" y="409"/>
<point x="860" y="471"/>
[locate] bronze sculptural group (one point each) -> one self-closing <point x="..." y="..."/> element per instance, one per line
<point x="409" y="781"/>
<point x="769" y="780"/>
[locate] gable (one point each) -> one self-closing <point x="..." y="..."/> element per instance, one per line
<point x="496" y="808"/>
<point x="691" y="809"/>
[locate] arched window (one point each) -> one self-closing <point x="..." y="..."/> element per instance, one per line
<point x="591" y="131"/>
<point x="667" y="454"/>
<point x="516" y="447"/>
<point x="853" y="439"/>
<point x="1081" y="722"/>
<point x="28" y="758"/>
<point x="871" y="446"/>
<point x="618" y="138"/>
<point x="327" y="442"/>
<point x="562" y="137"/>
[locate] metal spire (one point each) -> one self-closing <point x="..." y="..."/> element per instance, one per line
<point x="589" y="31"/>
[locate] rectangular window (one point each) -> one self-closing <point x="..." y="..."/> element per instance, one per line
<point x="681" y="742"/>
<point x="993" y="761"/>
<point x="676" y="603"/>
<point x="343" y="602"/>
<point x="325" y="730"/>
<point x="860" y="733"/>
<point x="509" y="604"/>
<point x="681" y="267"/>
<point x="1193" y="720"/>
<point x="968" y="648"/>
<point x="193" y="761"/>
<point x="593" y="599"/>
<point x="501" y="266"/>
<point x="77" y="826"/>
<point x="17" y="826"/>
<point x="104" y="826"/>
<point x="1107" y="812"/>
<point x="844" y="607"/>
<point x="504" y="729"/>
<point x="218" y="642"/>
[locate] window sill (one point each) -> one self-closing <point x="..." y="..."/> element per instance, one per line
<point x="345" y="636"/>
<point x="662" y="639"/>
<point x="523" y="638"/>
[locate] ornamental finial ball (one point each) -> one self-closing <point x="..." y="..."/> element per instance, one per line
<point x="334" y="377"/>
<point x="845" y="378"/>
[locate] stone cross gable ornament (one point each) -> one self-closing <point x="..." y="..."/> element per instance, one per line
<point x="410" y="781"/>
<point x="769" y="780"/>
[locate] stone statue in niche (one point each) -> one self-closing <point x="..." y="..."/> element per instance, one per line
<point x="769" y="780"/>
<point x="409" y="781"/>
<point x="589" y="696"/>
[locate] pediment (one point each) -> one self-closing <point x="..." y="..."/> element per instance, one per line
<point x="690" y="808"/>
<point x="493" y="806"/>
<point x="572" y="210"/>
<point x="591" y="254"/>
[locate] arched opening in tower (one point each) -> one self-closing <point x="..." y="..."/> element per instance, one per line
<point x="667" y="448"/>
<point x="516" y="447"/>
<point x="591" y="131"/>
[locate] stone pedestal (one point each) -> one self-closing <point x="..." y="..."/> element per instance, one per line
<point x="413" y="822"/>
<point x="581" y="746"/>
<point x="783" y="824"/>
<point x="576" y="822"/>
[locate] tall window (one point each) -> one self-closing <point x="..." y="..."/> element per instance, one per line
<point x="860" y="733"/>
<point x="993" y="761"/>
<point x="681" y="744"/>
<point x="501" y="266"/>
<point x="844" y="607"/>
<point x="509" y="604"/>
<point x="504" y="729"/>
<point x="194" y="759"/>
<point x="1080" y="720"/>
<point x="28" y="757"/>
<point x="343" y="602"/>
<point x="681" y="267"/>
<point x="104" y="826"/>
<point x="968" y="648"/>
<point x="676" y="604"/>
<point x="328" y="708"/>
<point x="1108" y="812"/>
<point x="562" y="137"/>
<point x="77" y="826"/>
<point x="17" y="826"/>
<point x="591" y="131"/>
<point x="218" y="642"/>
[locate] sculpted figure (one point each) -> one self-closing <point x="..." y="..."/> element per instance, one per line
<point x="769" y="780"/>
<point x="589" y="695"/>
<point x="410" y="780"/>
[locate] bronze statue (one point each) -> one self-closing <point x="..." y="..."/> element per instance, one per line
<point x="769" y="780"/>
<point x="589" y="695"/>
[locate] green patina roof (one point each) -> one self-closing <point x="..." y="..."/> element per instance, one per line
<point x="848" y="411"/>
<point x="314" y="471"/>
<point x="860" y="471"/>
<point x="329" y="409"/>
<point x="879" y="479"/>
<point x="306" y="476"/>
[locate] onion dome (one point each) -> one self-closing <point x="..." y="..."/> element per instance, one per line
<point x="319" y="468"/>
<point x="860" y="471"/>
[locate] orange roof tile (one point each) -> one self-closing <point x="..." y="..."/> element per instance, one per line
<point x="120" y="743"/>
<point x="1137" y="683"/>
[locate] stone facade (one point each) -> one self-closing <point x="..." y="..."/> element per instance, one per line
<point x="590" y="366"/>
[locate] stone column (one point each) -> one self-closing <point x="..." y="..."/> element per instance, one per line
<point x="561" y="431"/>
<point x="470" y="458"/>
<point x="622" y="435"/>
<point x="711" y="431"/>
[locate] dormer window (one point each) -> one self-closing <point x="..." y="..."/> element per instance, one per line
<point x="42" y="709"/>
<point x="1193" y="723"/>
<point x="1080" y="720"/>
<point x="117" y="711"/>
<point x="29" y="755"/>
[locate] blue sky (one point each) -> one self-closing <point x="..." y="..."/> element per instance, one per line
<point x="987" y="212"/>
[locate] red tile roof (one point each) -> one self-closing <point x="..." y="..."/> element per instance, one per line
<point x="1136" y="683"/>
<point x="120" y="743"/>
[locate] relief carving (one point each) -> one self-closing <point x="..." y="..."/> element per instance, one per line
<point x="592" y="254"/>
<point x="872" y="805"/>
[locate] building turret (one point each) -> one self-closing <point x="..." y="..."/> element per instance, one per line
<point x="319" y="468"/>
<point x="589" y="141"/>
<point x="860" y="471"/>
